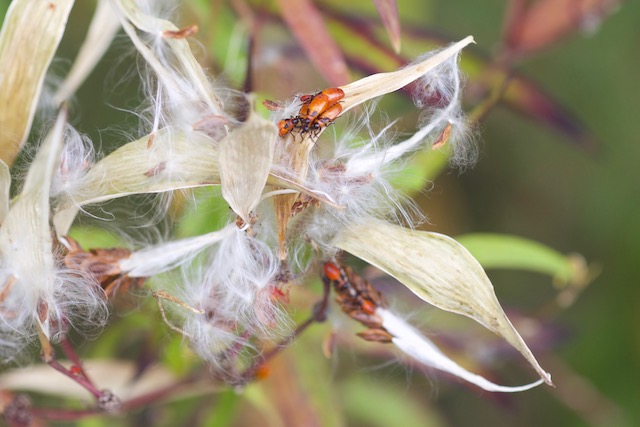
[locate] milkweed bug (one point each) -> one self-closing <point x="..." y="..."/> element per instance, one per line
<point x="317" y="111"/>
<point x="320" y="103"/>
<point x="334" y="272"/>
<point x="358" y="299"/>
<point x="356" y="296"/>
<point x="285" y="126"/>
<point x="327" y="117"/>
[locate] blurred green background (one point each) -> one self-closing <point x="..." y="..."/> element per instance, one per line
<point x="530" y="181"/>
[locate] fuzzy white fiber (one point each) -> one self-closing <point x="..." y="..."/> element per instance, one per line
<point x="166" y="256"/>
<point x="232" y="290"/>
<point x="420" y="348"/>
<point x="438" y="94"/>
<point x="35" y="293"/>
<point x="78" y="156"/>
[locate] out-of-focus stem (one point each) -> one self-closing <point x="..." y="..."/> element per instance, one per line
<point x="51" y="414"/>
<point x="481" y="110"/>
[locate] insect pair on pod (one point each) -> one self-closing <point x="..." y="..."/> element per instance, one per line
<point x="317" y="112"/>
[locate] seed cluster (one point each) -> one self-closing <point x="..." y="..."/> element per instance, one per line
<point x="359" y="300"/>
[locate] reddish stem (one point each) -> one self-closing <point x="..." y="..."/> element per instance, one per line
<point x="71" y="354"/>
<point x="63" y="414"/>
<point x="77" y="377"/>
<point x="319" y="315"/>
<point x="51" y="414"/>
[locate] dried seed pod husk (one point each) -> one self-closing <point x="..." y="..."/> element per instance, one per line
<point x="102" y="31"/>
<point x="139" y="167"/>
<point x="30" y="36"/>
<point x="25" y="237"/>
<point x="437" y="269"/>
<point x="245" y="157"/>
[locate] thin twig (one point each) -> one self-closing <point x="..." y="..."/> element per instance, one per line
<point x="79" y="379"/>
<point x="71" y="354"/>
<point x="158" y="295"/>
<point x="319" y="315"/>
<point x="51" y="414"/>
<point x="481" y="110"/>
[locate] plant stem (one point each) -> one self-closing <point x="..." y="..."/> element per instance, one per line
<point x="319" y="315"/>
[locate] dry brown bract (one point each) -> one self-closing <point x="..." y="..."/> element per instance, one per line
<point x="103" y="265"/>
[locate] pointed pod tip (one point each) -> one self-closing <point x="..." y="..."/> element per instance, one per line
<point x="396" y="44"/>
<point x="465" y="42"/>
<point x="544" y="375"/>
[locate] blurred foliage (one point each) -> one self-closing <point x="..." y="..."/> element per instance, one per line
<point x="503" y="251"/>
<point x="554" y="86"/>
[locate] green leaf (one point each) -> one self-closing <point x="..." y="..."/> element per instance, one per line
<point x="224" y="412"/>
<point x="424" y="167"/>
<point x="208" y="212"/>
<point x="512" y="252"/>
<point x="379" y="404"/>
<point x="94" y="237"/>
<point x="173" y="356"/>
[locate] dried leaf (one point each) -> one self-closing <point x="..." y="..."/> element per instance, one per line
<point x="437" y="269"/>
<point x="307" y="24"/>
<point x="102" y="30"/>
<point x="388" y="11"/>
<point x="136" y="168"/>
<point x="245" y="159"/>
<point x="30" y="36"/>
